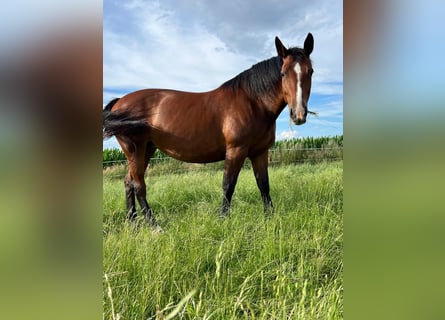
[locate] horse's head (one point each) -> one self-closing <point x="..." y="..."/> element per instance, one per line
<point x="296" y="75"/>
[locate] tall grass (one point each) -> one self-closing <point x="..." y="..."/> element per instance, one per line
<point x="249" y="266"/>
<point x="307" y="149"/>
<point x="112" y="156"/>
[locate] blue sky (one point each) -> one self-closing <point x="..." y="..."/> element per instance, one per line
<point x="197" y="45"/>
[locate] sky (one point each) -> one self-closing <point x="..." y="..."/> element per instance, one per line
<point x="197" y="45"/>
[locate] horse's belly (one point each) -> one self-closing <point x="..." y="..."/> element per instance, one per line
<point x="196" y="157"/>
<point x="192" y="150"/>
<point x="193" y="155"/>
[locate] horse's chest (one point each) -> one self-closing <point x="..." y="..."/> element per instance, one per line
<point x="256" y="139"/>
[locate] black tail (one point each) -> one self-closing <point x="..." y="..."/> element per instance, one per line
<point x="111" y="104"/>
<point x="119" y="123"/>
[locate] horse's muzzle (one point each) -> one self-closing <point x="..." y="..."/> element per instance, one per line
<point x="297" y="119"/>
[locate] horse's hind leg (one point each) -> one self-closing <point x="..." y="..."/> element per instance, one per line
<point x="149" y="152"/>
<point x="137" y="167"/>
<point x="138" y="156"/>
<point x="128" y="148"/>
<point x="130" y="197"/>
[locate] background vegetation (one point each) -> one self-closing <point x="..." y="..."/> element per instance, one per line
<point x="283" y="152"/>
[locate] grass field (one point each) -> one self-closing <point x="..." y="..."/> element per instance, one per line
<point x="248" y="266"/>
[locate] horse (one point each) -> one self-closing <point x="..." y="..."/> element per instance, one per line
<point x="232" y="122"/>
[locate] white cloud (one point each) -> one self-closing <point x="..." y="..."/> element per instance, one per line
<point x="289" y="134"/>
<point x="199" y="46"/>
<point x="163" y="53"/>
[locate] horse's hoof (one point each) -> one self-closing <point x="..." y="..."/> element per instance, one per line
<point x="131" y="216"/>
<point x="224" y="215"/>
<point x="157" y="230"/>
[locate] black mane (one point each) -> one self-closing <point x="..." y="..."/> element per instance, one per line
<point x="262" y="77"/>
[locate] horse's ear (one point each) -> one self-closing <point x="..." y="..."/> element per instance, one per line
<point x="309" y="44"/>
<point x="281" y="49"/>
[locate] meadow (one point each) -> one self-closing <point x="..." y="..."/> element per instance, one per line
<point x="286" y="265"/>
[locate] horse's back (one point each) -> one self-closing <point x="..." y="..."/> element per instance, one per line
<point x="185" y="125"/>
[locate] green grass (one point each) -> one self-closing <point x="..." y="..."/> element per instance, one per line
<point x="248" y="266"/>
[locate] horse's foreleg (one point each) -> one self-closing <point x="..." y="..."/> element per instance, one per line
<point x="259" y="165"/>
<point x="232" y="165"/>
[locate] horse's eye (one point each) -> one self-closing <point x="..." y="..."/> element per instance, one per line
<point x="282" y="74"/>
<point x="311" y="72"/>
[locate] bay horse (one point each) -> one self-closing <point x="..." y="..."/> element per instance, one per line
<point x="232" y="122"/>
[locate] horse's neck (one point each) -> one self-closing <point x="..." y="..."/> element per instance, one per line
<point x="274" y="102"/>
